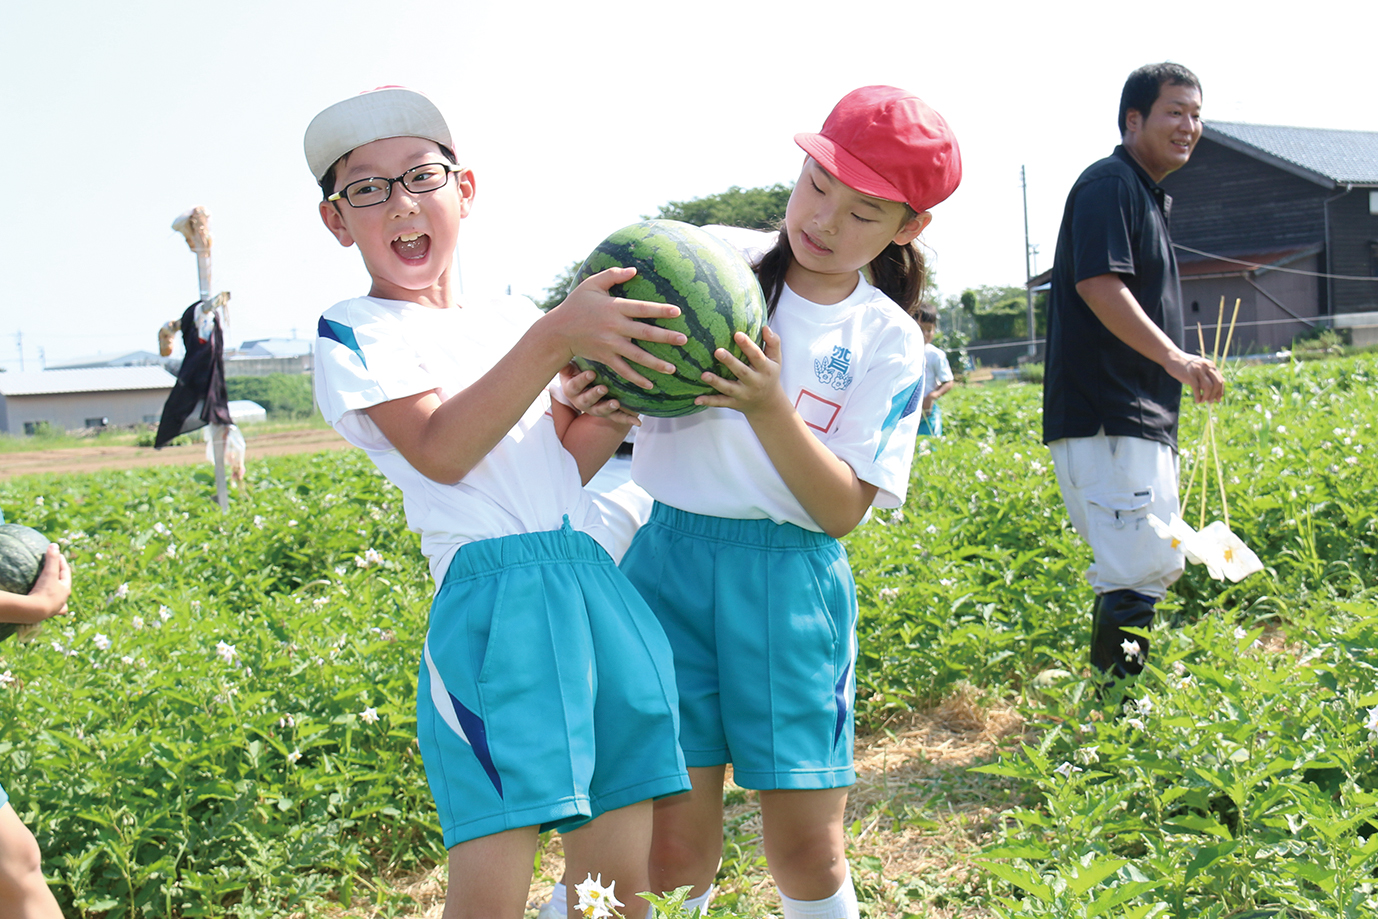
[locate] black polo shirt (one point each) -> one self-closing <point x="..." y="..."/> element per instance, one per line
<point x="1115" y="222"/>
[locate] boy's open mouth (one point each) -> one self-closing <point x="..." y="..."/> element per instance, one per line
<point x="412" y="246"/>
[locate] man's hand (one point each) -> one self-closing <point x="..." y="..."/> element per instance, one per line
<point x="1197" y="373"/>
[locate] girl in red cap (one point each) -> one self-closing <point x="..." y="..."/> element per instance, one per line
<point x="741" y="560"/>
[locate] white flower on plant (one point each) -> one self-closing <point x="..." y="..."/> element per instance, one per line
<point x="6" y="678"/>
<point x="171" y="551"/>
<point x="258" y="521"/>
<point x="1066" y="770"/>
<point x="122" y="591"/>
<point x="341" y="569"/>
<point x="101" y="641"/>
<point x="1351" y="460"/>
<point x="287" y="721"/>
<point x="160" y="528"/>
<point x="1144" y="706"/>
<point x="889" y="593"/>
<point x="1282" y="429"/>
<point x="595" y="900"/>
<point x="1135" y="723"/>
<point x="1277" y="452"/>
<point x="897" y="516"/>
<point x="164" y="613"/>
<point x="291" y="523"/>
<point x="1239" y="633"/>
<point x="126" y="660"/>
<point x="320" y="601"/>
<point x="38" y="500"/>
<point x="226" y="651"/>
<point x="369" y="715"/>
<point x="1371" y="723"/>
<point x="293" y="757"/>
<point x="137" y="621"/>
<point x="1179" y="668"/>
<point x="1131" y="649"/>
<point x="947" y="582"/>
<point x="930" y="529"/>
<point x="981" y="476"/>
<point x="1087" y="755"/>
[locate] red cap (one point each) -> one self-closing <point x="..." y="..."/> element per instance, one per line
<point x="889" y="144"/>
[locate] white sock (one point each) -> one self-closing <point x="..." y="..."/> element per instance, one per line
<point x="557" y="907"/>
<point x="699" y="903"/>
<point x="841" y="905"/>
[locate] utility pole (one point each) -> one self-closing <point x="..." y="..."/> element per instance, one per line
<point x="1028" y="269"/>
<point x="19" y="343"/>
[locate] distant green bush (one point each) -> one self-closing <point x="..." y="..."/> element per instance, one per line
<point x="283" y="395"/>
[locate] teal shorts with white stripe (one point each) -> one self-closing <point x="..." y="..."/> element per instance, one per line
<point x="546" y="695"/>
<point x="762" y="620"/>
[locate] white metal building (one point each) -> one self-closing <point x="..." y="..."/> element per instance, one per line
<point x="68" y="400"/>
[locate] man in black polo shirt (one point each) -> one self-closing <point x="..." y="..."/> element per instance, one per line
<point x="1115" y="365"/>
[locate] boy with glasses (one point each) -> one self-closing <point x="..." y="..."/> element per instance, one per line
<point x="452" y="399"/>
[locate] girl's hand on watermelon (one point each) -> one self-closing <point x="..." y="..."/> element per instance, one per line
<point x="603" y="328"/>
<point x="757" y="387"/>
<point x="589" y="399"/>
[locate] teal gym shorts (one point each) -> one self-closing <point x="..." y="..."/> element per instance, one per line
<point x="545" y="694"/>
<point x="762" y="620"/>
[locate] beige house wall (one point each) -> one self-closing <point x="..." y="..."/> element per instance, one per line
<point x="71" y="411"/>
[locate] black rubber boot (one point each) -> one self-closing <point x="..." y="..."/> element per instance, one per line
<point x="1114" y="611"/>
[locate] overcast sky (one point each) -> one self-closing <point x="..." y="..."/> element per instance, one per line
<point x="577" y="118"/>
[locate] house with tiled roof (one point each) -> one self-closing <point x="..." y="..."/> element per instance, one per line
<point x="1284" y="220"/>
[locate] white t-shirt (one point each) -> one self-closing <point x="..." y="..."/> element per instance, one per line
<point x="938" y="372"/>
<point x="853" y="370"/>
<point x="370" y="351"/>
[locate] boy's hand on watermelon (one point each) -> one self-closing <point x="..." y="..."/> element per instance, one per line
<point x="54" y="583"/>
<point x="757" y="385"/>
<point x="589" y="399"/>
<point x="603" y="328"/>
<point x="47" y="597"/>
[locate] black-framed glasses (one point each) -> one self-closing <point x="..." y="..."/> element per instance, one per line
<point x="375" y="190"/>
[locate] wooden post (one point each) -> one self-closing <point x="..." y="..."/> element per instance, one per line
<point x="195" y="226"/>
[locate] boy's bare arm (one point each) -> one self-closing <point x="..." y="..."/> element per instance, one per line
<point x="49" y="594"/>
<point x="444" y="440"/>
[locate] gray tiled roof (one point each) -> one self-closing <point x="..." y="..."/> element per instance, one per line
<point x="1344" y="157"/>
<point x="95" y="379"/>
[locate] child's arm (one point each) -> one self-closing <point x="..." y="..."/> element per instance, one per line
<point x="444" y="440"/>
<point x="49" y="594"/>
<point x="592" y="427"/>
<point x="935" y="395"/>
<point x="825" y="485"/>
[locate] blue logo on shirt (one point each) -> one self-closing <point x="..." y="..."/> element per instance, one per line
<point x="833" y="371"/>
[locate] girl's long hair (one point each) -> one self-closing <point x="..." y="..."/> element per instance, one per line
<point x="898" y="272"/>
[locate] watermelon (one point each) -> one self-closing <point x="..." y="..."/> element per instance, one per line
<point x="716" y="291"/>
<point x="21" y="559"/>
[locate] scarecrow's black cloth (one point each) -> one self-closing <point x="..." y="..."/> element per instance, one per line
<point x="198" y="398"/>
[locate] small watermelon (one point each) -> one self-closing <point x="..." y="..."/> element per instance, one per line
<point x="715" y="289"/>
<point x="21" y="560"/>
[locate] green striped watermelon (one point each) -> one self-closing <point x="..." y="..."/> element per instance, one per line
<point x="21" y="560"/>
<point x="711" y="283"/>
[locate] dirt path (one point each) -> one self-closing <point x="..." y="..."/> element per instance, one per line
<point x="93" y="459"/>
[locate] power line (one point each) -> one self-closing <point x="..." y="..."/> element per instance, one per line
<point x="1257" y="267"/>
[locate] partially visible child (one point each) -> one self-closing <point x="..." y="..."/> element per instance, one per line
<point x="937" y="378"/>
<point x="545" y="698"/>
<point x="23" y="891"/>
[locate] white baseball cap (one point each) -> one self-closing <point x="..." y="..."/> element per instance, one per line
<point x="388" y="111"/>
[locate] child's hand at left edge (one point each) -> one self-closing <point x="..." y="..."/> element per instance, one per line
<point x="757" y="384"/>
<point x="589" y="399"/>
